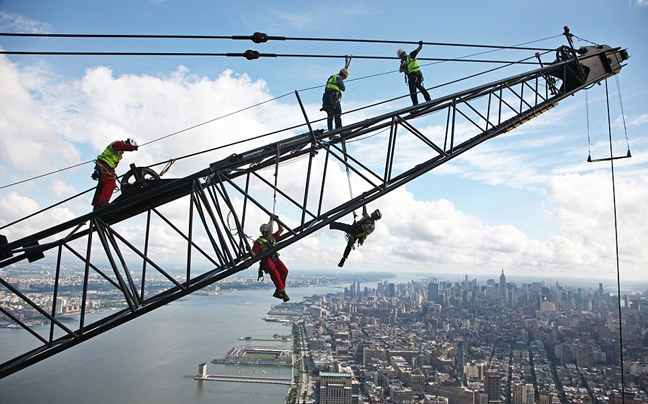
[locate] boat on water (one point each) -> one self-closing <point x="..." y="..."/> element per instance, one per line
<point x="276" y="320"/>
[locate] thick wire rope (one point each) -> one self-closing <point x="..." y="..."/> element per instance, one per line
<point x="625" y="129"/>
<point x="259" y="37"/>
<point x="249" y="55"/>
<point x="616" y="242"/>
<point x="589" y="140"/>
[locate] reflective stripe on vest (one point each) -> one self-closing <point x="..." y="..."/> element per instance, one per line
<point x="331" y="84"/>
<point x="111" y="156"/>
<point x="411" y="65"/>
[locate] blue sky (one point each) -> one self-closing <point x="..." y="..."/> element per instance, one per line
<point x="527" y="201"/>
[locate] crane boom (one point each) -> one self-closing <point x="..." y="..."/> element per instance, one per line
<point x="223" y="198"/>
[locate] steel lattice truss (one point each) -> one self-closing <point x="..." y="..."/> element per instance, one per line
<point x="114" y="246"/>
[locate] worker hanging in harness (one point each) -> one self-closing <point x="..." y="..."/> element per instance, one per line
<point x="272" y="265"/>
<point x="331" y="98"/>
<point x="358" y="231"/>
<point x="413" y="76"/>
<point x="104" y="171"/>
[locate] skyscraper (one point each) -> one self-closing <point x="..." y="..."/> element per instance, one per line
<point x="338" y="388"/>
<point x="502" y="287"/>
<point x="433" y="292"/>
<point x="492" y="386"/>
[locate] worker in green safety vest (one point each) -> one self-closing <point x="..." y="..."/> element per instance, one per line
<point x="413" y="76"/>
<point x="357" y="231"/>
<point x="104" y="171"/>
<point x="331" y="98"/>
<point x="272" y="265"/>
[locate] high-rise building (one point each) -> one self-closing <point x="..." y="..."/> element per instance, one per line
<point x="502" y="287"/>
<point x="492" y="386"/>
<point x="338" y="388"/>
<point x="523" y="393"/>
<point x="433" y="292"/>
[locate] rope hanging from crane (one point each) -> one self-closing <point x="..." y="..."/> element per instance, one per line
<point x="589" y="140"/>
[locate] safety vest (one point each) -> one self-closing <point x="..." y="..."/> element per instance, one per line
<point x="265" y="245"/>
<point x="367" y="225"/>
<point x="331" y="84"/>
<point x="411" y="65"/>
<point x="111" y="156"/>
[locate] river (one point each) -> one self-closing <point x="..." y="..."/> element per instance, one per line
<point x="153" y="359"/>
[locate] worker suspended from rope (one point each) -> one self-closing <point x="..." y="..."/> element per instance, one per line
<point x="104" y="171"/>
<point x="331" y="98"/>
<point x="413" y="76"/>
<point x="272" y="265"/>
<point x="357" y="231"/>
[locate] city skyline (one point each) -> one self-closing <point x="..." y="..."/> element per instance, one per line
<point x="360" y="314"/>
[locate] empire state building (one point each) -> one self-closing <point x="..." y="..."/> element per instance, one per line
<point x="502" y="287"/>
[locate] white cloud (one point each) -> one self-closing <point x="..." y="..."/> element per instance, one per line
<point x="586" y="216"/>
<point x="29" y="141"/>
<point x="12" y="22"/>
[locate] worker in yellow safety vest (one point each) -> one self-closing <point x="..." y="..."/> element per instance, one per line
<point x="272" y="265"/>
<point x="331" y="98"/>
<point x="413" y="76"/>
<point x="104" y="172"/>
<point x="357" y="231"/>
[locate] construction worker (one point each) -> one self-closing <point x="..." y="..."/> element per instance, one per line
<point x="358" y="231"/>
<point x="413" y="76"/>
<point x="105" y="170"/>
<point x="331" y="98"/>
<point x="272" y="265"/>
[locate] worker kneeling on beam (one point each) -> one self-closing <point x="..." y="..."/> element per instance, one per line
<point x="357" y="231"/>
<point x="272" y="265"/>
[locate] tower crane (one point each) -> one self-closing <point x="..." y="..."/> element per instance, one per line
<point x="221" y="199"/>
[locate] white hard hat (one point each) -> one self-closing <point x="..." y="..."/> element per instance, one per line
<point x="131" y="141"/>
<point x="400" y="52"/>
<point x="264" y="228"/>
<point x="344" y="72"/>
<point x="378" y="214"/>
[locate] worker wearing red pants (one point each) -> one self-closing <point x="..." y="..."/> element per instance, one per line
<point x="272" y="265"/>
<point x="105" y="170"/>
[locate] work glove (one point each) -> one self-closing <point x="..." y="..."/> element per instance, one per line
<point x="420" y="42"/>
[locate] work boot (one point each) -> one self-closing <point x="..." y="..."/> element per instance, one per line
<point x="341" y="264"/>
<point x="279" y="294"/>
<point x="285" y="297"/>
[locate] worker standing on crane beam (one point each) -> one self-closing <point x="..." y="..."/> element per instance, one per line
<point x="272" y="265"/>
<point x="357" y="231"/>
<point x="331" y="98"/>
<point x="413" y="76"/>
<point x="105" y="170"/>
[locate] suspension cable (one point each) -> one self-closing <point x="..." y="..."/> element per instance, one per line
<point x="259" y="37"/>
<point x="616" y="243"/>
<point x="589" y="140"/>
<point x="625" y="129"/>
<point x="249" y="54"/>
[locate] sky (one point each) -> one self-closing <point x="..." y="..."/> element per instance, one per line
<point x="526" y="202"/>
